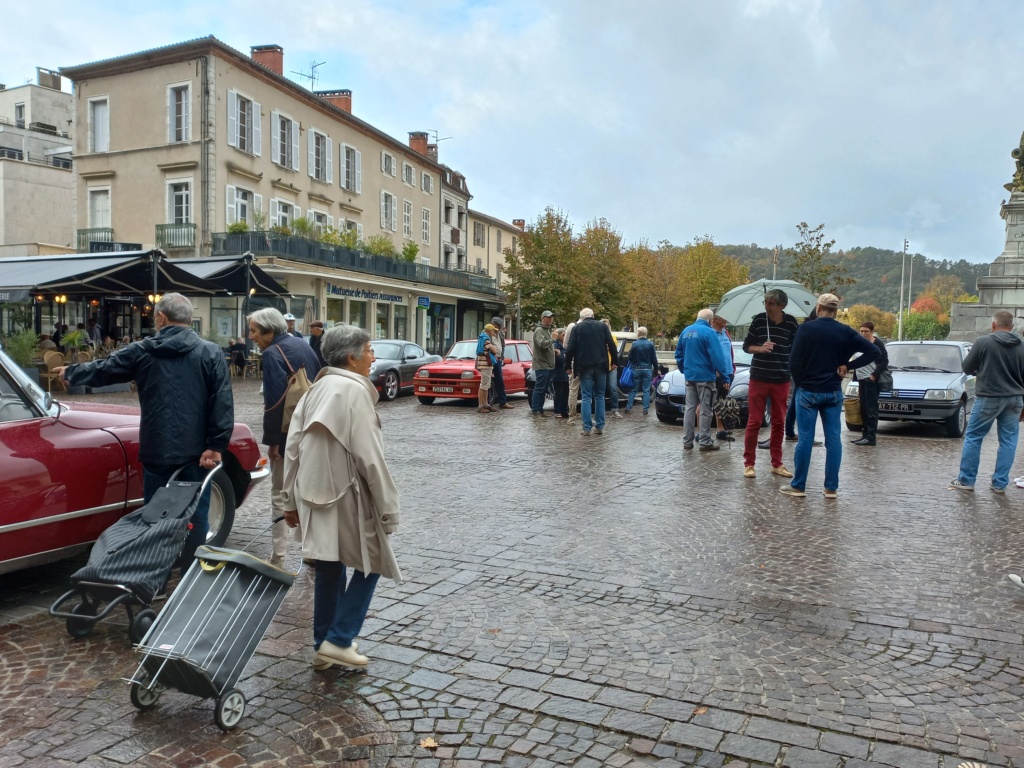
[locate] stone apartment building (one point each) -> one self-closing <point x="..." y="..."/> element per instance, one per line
<point x="200" y="150"/>
<point x="490" y="239"/>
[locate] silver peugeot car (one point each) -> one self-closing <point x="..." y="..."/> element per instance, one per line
<point x="928" y="385"/>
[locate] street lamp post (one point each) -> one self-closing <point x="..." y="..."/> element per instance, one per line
<point x="903" y="270"/>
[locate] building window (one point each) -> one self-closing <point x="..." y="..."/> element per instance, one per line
<point x="427" y="183"/>
<point x="178" y="119"/>
<point x="478" y="233"/>
<point x="352" y="172"/>
<point x="409" y="174"/>
<point x="244" y="118"/>
<point x="407" y="219"/>
<point x="462" y="219"/>
<point x="448" y="211"/>
<point x="99" y="125"/>
<point x="283" y="213"/>
<point x="447" y="264"/>
<point x="179" y="202"/>
<point x="19" y="115"/>
<point x="425" y="225"/>
<point x="99" y="208"/>
<point x="388" y="163"/>
<point x="497" y="241"/>
<point x="321" y="221"/>
<point x="321" y="160"/>
<point x="284" y="141"/>
<point x="242" y="205"/>
<point x="388" y="214"/>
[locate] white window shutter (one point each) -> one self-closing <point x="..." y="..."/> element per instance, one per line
<point x="186" y="115"/>
<point x="383" y="166"/>
<point x="330" y="162"/>
<point x="275" y="139"/>
<point x="359" y="231"/>
<point x="257" y="129"/>
<point x="343" y="163"/>
<point x="311" y="151"/>
<point x="359" y="171"/>
<point x="310" y="216"/>
<point x="170" y="116"/>
<point x="330" y="221"/>
<point x="383" y="211"/>
<point x="412" y="178"/>
<point x="394" y="216"/>
<point x="170" y="204"/>
<point x="273" y="212"/>
<point x="232" y="119"/>
<point x="295" y="145"/>
<point x="230" y="193"/>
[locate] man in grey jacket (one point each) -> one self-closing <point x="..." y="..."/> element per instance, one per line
<point x="998" y="361"/>
<point x="543" y="362"/>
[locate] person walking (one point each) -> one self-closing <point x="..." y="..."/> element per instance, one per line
<point x="290" y="320"/>
<point x="818" y="362"/>
<point x="574" y="381"/>
<point x="500" y="398"/>
<point x="643" y="359"/>
<point x="612" y="391"/>
<point x="337" y="489"/>
<point x="700" y="357"/>
<point x="560" y="378"/>
<point x="867" y="377"/>
<point x="718" y="325"/>
<point x="768" y="341"/>
<point x="485" y="358"/>
<point x="587" y="356"/>
<point x="282" y="355"/>
<point x="997" y="360"/>
<point x="543" y="362"/>
<point x="316" y="336"/>
<point x="188" y="410"/>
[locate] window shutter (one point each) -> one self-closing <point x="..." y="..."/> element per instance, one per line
<point x="412" y="176"/>
<point x="310" y="216"/>
<point x="359" y="231"/>
<point x="296" y="212"/>
<point x="383" y="165"/>
<point x="230" y="218"/>
<point x="170" y="116"/>
<point x="232" y="120"/>
<point x="394" y="214"/>
<point x="311" y="151"/>
<point x="330" y="221"/>
<point x="330" y="162"/>
<point x="273" y="212"/>
<point x="275" y="141"/>
<point x="343" y="158"/>
<point x="186" y="114"/>
<point x="295" y="145"/>
<point x="383" y="212"/>
<point x="257" y="206"/>
<point x="257" y="122"/>
<point x="359" y="171"/>
<point x="170" y="204"/>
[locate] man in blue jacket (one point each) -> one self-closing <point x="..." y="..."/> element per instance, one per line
<point x="700" y="357"/>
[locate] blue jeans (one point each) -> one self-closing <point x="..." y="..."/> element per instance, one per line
<point x="791" y="412"/>
<point x="829" y="405"/>
<point x="1005" y="412"/>
<point x="339" y="612"/>
<point x="593" y="382"/>
<point x="642" y="376"/>
<point x="540" y="388"/>
<point x="156" y="476"/>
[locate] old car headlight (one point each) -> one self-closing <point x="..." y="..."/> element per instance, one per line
<point x="423" y="374"/>
<point x="940" y="394"/>
<point x="468" y="374"/>
<point x="662" y="387"/>
<point x="373" y="368"/>
<point x="853" y="389"/>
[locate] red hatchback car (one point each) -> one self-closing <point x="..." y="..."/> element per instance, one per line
<point x="70" y="470"/>
<point x="456" y="376"/>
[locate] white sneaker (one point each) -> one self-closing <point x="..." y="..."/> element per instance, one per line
<point x="330" y="654"/>
<point x="1016" y="579"/>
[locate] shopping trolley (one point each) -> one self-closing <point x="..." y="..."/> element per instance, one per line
<point x="209" y="629"/>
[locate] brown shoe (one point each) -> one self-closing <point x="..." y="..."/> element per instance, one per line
<point x="506" y="407"/>
<point x="483" y="409"/>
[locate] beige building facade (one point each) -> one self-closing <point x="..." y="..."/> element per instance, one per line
<point x="490" y="238"/>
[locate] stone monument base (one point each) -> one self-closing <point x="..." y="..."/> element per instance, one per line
<point x="969" y="321"/>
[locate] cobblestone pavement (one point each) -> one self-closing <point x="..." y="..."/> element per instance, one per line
<point x="596" y="601"/>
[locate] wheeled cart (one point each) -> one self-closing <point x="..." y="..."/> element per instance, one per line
<point x="208" y="631"/>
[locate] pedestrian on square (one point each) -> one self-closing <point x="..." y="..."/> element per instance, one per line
<point x="574" y="381"/>
<point x="543" y="362"/>
<point x="560" y="377"/>
<point x="316" y="336"/>
<point x="485" y="347"/>
<point x="337" y="489"/>
<point x="718" y="324"/>
<point x="612" y="391"/>
<point x="997" y="360"/>
<point x="821" y="351"/>
<point x="290" y="320"/>
<point x="188" y="410"/>
<point x="700" y="357"/>
<point x="867" y="377"/>
<point x="590" y="348"/>
<point x="768" y="341"/>
<point x="282" y="355"/>
<point x="643" y="359"/>
<point x="500" y="398"/>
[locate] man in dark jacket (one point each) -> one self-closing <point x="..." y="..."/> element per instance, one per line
<point x="643" y="358"/>
<point x="543" y="362"/>
<point x="316" y="336"/>
<point x="188" y="410"/>
<point x="591" y="346"/>
<point x="283" y="355"/>
<point x="998" y="361"/>
<point x="867" y="378"/>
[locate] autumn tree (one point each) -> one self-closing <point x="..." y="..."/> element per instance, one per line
<point x="813" y="261"/>
<point x="858" y="314"/>
<point x="705" y="274"/>
<point x="651" y="278"/>
<point x="945" y="289"/>
<point x="927" y="304"/>
<point x="924" y="325"/>
<point x="600" y="247"/>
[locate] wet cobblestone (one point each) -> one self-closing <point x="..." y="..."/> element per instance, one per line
<point x="613" y="602"/>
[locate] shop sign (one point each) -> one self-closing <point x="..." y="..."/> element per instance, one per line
<point x="334" y="289"/>
<point x="18" y="294"/>
<point x="423" y="301"/>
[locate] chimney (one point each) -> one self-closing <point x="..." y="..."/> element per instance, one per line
<point x="270" y="56"/>
<point x="519" y="224"/>
<point x="418" y="142"/>
<point x="341" y="99"/>
<point x="432" y="152"/>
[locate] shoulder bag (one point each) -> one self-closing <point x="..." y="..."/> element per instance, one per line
<point x="885" y="381"/>
<point x="296" y="386"/>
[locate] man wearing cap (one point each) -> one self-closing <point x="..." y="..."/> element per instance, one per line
<point x="290" y="319"/>
<point x="701" y="358"/>
<point x="316" y="335"/>
<point x="500" y="399"/>
<point x="818" y="362"/>
<point x="543" y="362"/>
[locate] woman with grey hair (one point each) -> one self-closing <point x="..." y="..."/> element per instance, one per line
<point x="339" y="492"/>
<point x="283" y="355"/>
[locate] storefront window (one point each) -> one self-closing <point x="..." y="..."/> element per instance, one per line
<point x="442" y="328"/>
<point x="357" y="313"/>
<point x="224" y="312"/>
<point x="335" y="312"/>
<point x="402" y="322"/>
<point x="383" y="311"/>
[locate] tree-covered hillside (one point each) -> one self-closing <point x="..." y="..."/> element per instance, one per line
<point x="876" y="270"/>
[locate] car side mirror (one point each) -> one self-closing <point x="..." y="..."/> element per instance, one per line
<point x="410" y="357"/>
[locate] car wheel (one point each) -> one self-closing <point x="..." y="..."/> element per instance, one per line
<point x="391" y="386"/>
<point x="425" y="400"/>
<point x="222" y="510"/>
<point x="957" y="423"/>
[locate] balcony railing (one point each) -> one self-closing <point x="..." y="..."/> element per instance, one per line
<point x="171" y="236"/>
<point x="10" y="153"/>
<point x="94" y="235"/>
<point x="339" y="257"/>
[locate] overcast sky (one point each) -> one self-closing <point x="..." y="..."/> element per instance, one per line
<point x="670" y="118"/>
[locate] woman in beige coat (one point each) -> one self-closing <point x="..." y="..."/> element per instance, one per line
<point x="338" y="490"/>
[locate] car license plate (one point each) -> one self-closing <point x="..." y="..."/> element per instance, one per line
<point x="899" y="407"/>
<point x="444" y="389"/>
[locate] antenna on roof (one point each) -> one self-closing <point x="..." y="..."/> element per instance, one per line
<point x="312" y="75"/>
<point x="436" y="139"/>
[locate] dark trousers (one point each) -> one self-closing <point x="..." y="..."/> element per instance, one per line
<point x="869" y="407"/>
<point x="540" y="388"/>
<point x="498" y="385"/>
<point x="791" y="412"/>
<point x="562" y="397"/>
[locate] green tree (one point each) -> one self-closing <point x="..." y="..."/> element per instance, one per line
<point x="924" y="325"/>
<point x="705" y="274"/>
<point x="944" y="289"/>
<point x="813" y="261"/>
<point x="885" y="322"/>
<point x="650" y="278"/>
<point x="601" y="246"/>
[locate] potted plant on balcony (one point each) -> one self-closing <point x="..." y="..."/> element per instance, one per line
<point x="21" y="348"/>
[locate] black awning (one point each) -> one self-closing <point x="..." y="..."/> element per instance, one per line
<point x="229" y="274"/>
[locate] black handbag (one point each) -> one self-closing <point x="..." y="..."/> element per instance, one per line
<point x="885" y="381"/>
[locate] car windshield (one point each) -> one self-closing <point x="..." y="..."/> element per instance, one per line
<point x="385" y="351"/>
<point x="462" y="350"/>
<point x="15" y="378"/>
<point x="924" y="357"/>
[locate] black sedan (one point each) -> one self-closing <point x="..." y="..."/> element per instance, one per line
<point x="670" y="396"/>
<point x="396" y="365"/>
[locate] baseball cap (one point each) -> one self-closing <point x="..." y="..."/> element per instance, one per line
<point x="289" y="316"/>
<point x="547" y="313"/>
<point x="490" y="327"/>
<point x="828" y="300"/>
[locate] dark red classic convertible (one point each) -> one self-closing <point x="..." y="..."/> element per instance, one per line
<point x="70" y="470"/>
